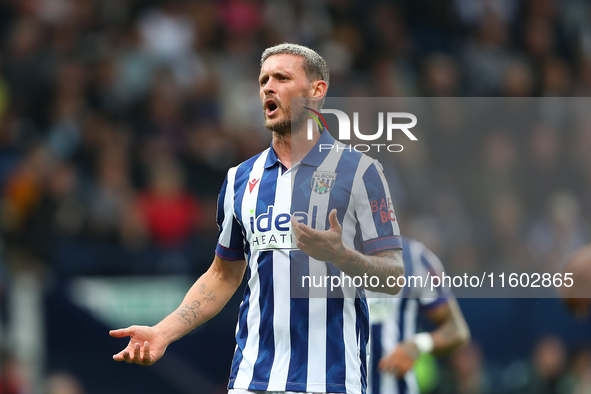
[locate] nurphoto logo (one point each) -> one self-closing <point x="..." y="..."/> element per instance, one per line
<point x="344" y="135"/>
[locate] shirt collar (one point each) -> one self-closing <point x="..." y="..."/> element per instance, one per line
<point x="314" y="158"/>
<point x="272" y="158"/>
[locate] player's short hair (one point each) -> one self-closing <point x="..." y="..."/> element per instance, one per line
<point x="314" y="65"/>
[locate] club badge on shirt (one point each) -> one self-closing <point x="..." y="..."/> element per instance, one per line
<point x="323" y="181"/>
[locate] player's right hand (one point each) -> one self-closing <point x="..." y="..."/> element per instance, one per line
<point x="146" y="345"/>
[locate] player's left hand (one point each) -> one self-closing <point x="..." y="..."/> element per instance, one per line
<point x="320" y="245"/>
<point x="401" y="360"/>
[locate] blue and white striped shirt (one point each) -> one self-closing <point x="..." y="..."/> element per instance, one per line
<point x="394" y="319"/>
<point x="316" y="342"/>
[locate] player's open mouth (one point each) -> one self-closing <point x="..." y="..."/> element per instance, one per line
<point x="270" y="108"/>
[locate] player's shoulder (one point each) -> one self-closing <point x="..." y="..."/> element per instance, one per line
<point x="248" y="164"/>
<point x="360" y="160"/>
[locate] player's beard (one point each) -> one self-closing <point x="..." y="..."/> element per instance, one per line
<point x="282" y="127"/>
<point x="289" y="122"/>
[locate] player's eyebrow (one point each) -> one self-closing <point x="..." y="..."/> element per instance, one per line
<point x="275" y="73"/>
<point x="283" y="73"/>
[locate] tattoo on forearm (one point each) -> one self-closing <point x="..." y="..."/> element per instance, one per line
<point x="210" y="296"/>
<point x="379" y="265"/>
<point x="202" y="288"/>
<point x="189" y="313"/>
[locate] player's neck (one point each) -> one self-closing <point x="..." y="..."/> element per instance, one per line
<point x="293" y="147"/>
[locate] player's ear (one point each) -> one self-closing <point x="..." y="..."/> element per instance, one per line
<point x="319" y="88"/>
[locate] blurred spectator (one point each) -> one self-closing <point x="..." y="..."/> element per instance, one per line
<point x="441" y="76"/>
<point x="558" y="233"/>
<point x="111" y="197"/>
<point x="168" y="35"/>
<point x="60" y="214"/>
<point x="27" y="68"/>
<point x="539" y="38"/>
<point x="23" y="195"/>
<point x="473" y="11"/>
<point x="518" y="80"/>
<point x="487" y="56"/>
<point x="301" y="21"/>
<point x="544" y="166"/>
<point x="10" y="380"/>
<point x="169" y="213"/>
<point x="466" y="374"/>
<point x="546" y="374"/>
<point x="68" y="109"/>
<point x="556" y="78"/>
<point x="500" y="173"/>
<point x="133" y="69"/>
<point x="241" y="17"/>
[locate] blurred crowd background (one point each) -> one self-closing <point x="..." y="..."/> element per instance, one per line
<point x="120" y="118"/>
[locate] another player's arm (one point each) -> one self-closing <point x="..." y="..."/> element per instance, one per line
<point x="328" y="246"/>
<point x="452" y="332"/>
<point x="204" y="300"/>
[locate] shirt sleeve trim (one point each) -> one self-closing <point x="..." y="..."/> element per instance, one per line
<point x="229" y="254"/>
<point x="382" y="243"/>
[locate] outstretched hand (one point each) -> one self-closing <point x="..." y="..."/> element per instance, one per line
<point x="146" y="345"/>
<point x="320" y="245"/>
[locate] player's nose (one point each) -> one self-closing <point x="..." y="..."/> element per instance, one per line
<point x="269" y="87"/>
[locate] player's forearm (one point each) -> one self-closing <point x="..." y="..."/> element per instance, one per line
<point x="450" y="336"/>
<point x="204" y="300"/>
<point x="386" y="265"/>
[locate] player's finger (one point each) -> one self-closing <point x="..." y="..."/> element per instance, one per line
<point x="295" y="227"/>
<point x="136" y="354"/>
<point x="301" y="246"/>
<point x="308" y="231"/>
<point x="127" y="357"/>
<point x="146" y="359"/>
<point x="118" y="356"/>
<point x="306" y="238"/>
<point x="120" y="333"/>
<point x="301" y="228"/>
